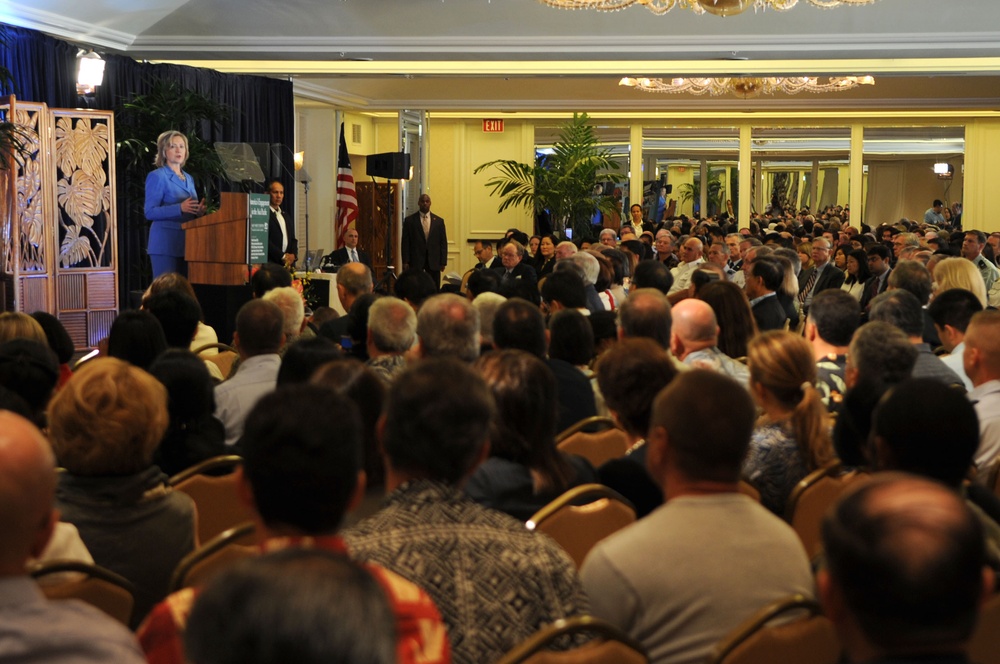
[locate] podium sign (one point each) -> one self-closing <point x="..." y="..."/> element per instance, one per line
<point x="260" y="212"/>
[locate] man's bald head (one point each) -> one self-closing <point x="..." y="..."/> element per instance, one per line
<point x="905" y="567"/>
<point x="694" y="321"/>
<point x="27" y="489"/>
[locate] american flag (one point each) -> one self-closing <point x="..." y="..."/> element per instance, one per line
<point x="347" y="198"/>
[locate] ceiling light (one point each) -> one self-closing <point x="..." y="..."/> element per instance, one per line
<point x="717" y="7"/>
<point x="747" y="86"/>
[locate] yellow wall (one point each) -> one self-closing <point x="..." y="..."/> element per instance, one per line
<point x="982" y="175"/>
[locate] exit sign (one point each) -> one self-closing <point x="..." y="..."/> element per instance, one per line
<point x="492" y="126"/>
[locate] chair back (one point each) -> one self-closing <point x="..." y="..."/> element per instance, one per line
<point x="592" y="424"/>
<point x="582" y="517"/>
<point x="97" y="586"/>
<point x="810" y="500"/>
<point x="215" y="498"/>
<point x="610" y="645"/>
<point x="984" y="647"/>
<point x="219" y="553"/>
<point x="789" y="631"/>
<point x="223" y="359"/>
<point x="596" y="447"/>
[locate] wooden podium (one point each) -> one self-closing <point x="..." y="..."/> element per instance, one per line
<point x="215" y="246"/>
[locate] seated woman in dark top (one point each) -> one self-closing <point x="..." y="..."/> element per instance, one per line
<point x="104" y="425"/>
<point x="194" y="434"/>
<point x="525" y="471"/>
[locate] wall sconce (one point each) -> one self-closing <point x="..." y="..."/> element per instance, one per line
<point x="89" y="73"/>
<point x="299" y="158"/>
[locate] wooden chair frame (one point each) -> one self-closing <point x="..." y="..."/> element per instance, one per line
<point x="543" y="637"/>
<point x="599" y="422"/>
<point x="759" y="621"/>
<point x="187" y="564"/>
<point x="97" y="577"/>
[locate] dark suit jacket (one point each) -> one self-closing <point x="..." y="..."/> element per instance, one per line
<point x="832" y="277"/>
<point x="521" y="271"/>
<point x="424" y="253"/>
<point x="574" y="392"/>
<point x="769" y="314"/>
<point x="494" y="263"/>
<point x="867" y="295"/>
<point x="339" y="257"/>
<point x="274" y="253"/>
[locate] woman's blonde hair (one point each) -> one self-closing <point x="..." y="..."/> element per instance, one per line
<point x="955" y="272"/>
<point x="783" y="364"/>
<point x="18" y="325"/>
<point x="108" y="420"/>
<point x="161" y="147"/>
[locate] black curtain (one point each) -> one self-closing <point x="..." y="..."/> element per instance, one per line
<point x="44" y="70"/>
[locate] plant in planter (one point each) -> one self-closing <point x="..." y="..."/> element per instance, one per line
<point x="561" y="183"/>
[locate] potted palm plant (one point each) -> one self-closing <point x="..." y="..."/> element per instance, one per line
<point x="562" y="182"/>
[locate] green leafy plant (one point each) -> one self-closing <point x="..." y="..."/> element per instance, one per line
<point x="715" y="197"/>
<point x="562" y="182"/>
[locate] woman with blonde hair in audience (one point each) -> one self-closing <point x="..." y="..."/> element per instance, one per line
<point x="18" y="325"/>
<point x="805" y="255"/>
<point x="104" y="426"/>
<point x="792" y="437"/>
<point x="525" y="471"/>
<point x="958" y="272"/>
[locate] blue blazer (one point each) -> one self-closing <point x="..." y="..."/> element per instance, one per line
<point x="164" y="194"/>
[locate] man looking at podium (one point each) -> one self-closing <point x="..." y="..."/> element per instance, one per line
<point x="425" y="241"/>
<point x="282" y="246"/>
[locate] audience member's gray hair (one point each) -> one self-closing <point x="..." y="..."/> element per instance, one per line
<point x="487" y="304"/>
<point x="881" y="353"/>
<point x="608" y="231"/>
<point x="393" y="325"/>
<point x="448" y="327"/>
<point x="292" y="309"/>
<point x="646" y="314"/>
<point x="792" y="256"/>
<point x="591" y="267"/>
<point x="568" y="246"/>
<point x="355" y="281"/>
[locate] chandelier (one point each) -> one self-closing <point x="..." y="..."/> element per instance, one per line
<point x="717" y="7"/>
<point x="747" y="86"/>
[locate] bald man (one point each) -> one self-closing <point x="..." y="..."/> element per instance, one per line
<point x="925" y="548"/>
<point x="694" y="339"/>
<point x="691" y="258"/>
<point x="33" y="629"/>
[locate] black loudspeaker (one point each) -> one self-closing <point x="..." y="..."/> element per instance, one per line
<point x="389" y="165"/>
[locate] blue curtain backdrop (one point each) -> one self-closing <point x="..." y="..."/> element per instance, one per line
<point x="43" y="69"/>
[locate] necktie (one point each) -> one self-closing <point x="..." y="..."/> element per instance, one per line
<point x="354" y="256"/>
<point x="810" y="282"/>
<point x="425" y="221"/>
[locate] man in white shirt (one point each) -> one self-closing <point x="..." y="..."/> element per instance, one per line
<point x="691" y="258"/>
<point x="282" y="246"/>
<point x="951" y="312"/>
<point x="981" y="359"/>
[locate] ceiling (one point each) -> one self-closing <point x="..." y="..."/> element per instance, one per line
<point x="522" y="56"/>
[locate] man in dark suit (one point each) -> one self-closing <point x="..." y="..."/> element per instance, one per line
<point x="822" y="276"/>
<point x="350" y="253"/>
<point x="282" y="246"/>
<point x="425" y="241"/>
<point x="512" y="264"/>
<point x="878" y="264"/>
<point x="484" y="252"/>
<point x="766" y="275"/>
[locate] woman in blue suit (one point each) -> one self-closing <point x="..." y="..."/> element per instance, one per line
<point x="170" y="201"/>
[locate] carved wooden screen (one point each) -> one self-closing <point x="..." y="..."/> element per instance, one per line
<point x="60" y="240"/>
<point x="373" y="223"/>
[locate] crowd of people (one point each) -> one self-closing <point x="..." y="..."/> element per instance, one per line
<point x="752" y="355"/>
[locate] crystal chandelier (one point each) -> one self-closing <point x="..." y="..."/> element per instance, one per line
<point x="717" y="7"/>
<point x="747" y="86"/>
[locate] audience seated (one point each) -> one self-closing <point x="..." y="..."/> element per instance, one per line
<point x="495" y="582"/>
<point x="353" y="281"/>
<point x="292" y="308"/>
<point x="982" y="365"/>
<point x="905" y="574"/>
<point x="694" y="340"/>
<point x="18" y="325"/>
<point x="951" y="311"/>
<point x="258" y="338"/>
<point x="104" y="426"/>
<point x="571" y="339"/>
<point x="414" y="287"/>
<point x="833" y="318"/>
<point x="30" y="370"/>
<point x="903" y="310"/>
<point x="878" y="357"/>
<point x="525" y="471"/>
<point x="193" y="434"/>
<point x="136" y="337"/>
<point x="302" y="606"/>
<point x="59" y="341"/>
<point x="487" y="305"/>
<point x="32" y="628"/>
<point x="392" y="332"/>
<point x="683" y="577"/>
<point x="732" y="311"/>
<point x="176" y="282"/>
<point x="652" y="274"/>
<point x="300" y="474"/>
<point x="301" y="360"/>
<point x="792" y="437"/>
<point x="179" y="316"/>
<point x="631" y="374"/>
<point x="269" y="276"/>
